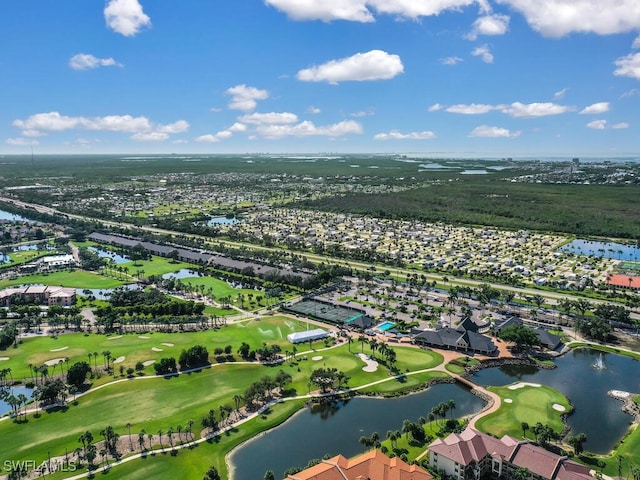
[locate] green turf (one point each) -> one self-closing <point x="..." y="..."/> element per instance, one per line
<point x="73" y="279"/>
<point x="528" y="404"/>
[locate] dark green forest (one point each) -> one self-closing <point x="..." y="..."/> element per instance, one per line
<point x="587" y="210"/>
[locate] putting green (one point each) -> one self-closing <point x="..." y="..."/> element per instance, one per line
<point x="530" y="404"/>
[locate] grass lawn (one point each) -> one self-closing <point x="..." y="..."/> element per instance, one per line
<point x="136" y="348"/>
<point x="194" y="462"/>
<point x="73" y="279"/>
<point x="156" y="266"/>
<point x="162" y="403"/>
<point x="528" y="404"/>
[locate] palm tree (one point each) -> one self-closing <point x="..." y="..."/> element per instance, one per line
<point x="160" y="438"/>
<point x="525" y="427"/>
<point x="141" y="436"/>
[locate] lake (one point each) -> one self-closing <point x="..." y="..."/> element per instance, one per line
<point x="113" y="256"/>
<point x="5" y="407"/>
<point x="337" y="428"/>
<point x="577" y="376"/>
<point x="613" y="250"/>
<point x="11" y="217"/>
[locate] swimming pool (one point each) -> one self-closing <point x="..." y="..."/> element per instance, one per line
<point x="384" y="326"/>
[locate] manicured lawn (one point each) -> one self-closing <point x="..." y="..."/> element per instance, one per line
<point x="528" y="404"/>
<point x="156" y="266"/>
<point x="74" y="279"/>
<point x="136" y="348"/>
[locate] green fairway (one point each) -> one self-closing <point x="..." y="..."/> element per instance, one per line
<point x="528" y="404"/>
<point x="155" y="266"/>
<point x="140" y="347"/>
<point x="73" y="279"/>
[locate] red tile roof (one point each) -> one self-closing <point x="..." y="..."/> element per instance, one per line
<point x="371" y="465"/>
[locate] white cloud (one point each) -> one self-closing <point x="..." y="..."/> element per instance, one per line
<point x="326" y="10"/>
<point x="222" y="135"/>
<point x="556" y="18"/>
<point x="628" y="66"/>
<point x="560" y="94"/>
<point x="237" y="128"/>
<point x="271" y="118"/>
<point x="485" y="131"/>
<point x="435" y="107"/>
<point x="363" y="113"/>
<point x="32" y="133"/>
<point x="150" y="137"/>
<point x="636" y="42"/>
<point x="86" y="61"/>
<point x="141" y="127"/>
<point x="451" y="60"/>
<point x="484" y="53"/>
<point x="597" y="124"/>
<point x="630" y="93"/>
<point x="495" y="24"/>
<point x="396" y="135"/>
<point x="600" y="107"/>
<point x="177" y="127"/>
<point x="531" y="110"/>
<point x="313" y="110"/>
<point x="620" y="126"/>
<point x="473" y="109"/>
<point x="307" y="129"/>
<point x="361" y="10"/>
<point x="244" y="98"/>
<point x="372" y="65"/>
<point x="21" y="142"/>
<point x="125" y="17"/>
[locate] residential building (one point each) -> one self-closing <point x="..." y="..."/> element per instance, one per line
<point x="44" y="295"/>
<point x="373" y="465"/>
<point x="477" y="456"/>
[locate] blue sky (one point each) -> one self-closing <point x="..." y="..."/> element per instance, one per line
<point x="449" y="77"/>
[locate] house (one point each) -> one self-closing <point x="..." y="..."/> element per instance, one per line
<point x="475" y="455"/>
<point x="373" y="465"/>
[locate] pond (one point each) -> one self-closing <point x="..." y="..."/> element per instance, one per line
<point x="5" y="407"/>
<point x="613" y="250"/>
<point x="580" y="377"/>
<point x="104" y="293"/>
<point x="222" y="221"/>
<point x="113" y="256"/>
<point x="11" y="217"/>
<point x="337" y="428"/>
<point x="182" y="273"/>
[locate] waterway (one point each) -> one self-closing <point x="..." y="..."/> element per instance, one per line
<point x="336" y="429"/>
<point x="613" y="250"/>
<point x="579" y="377"/>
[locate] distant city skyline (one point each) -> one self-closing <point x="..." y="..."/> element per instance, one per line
<point x="448" y="78"/>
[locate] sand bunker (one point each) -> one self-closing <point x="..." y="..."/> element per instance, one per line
<point x="371" y="365"/>
<point x="558" y="407"/>
<point x="144" y="337"/>
<point x="4" y="359"/>
<point x="508" y="400"/>
<point x="516" y="386"/>
<point x="148" y="362"/>
<point x="168" y="344"/>
<point x="156" y="349"/>
<point x="119" y="359"/>
<point x="58" y="349"/>
<point x="53" y="361"/>
<point x="113" y="338"/>
<point x="317" y="358"/>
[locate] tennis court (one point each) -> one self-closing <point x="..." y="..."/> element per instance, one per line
<point x="325" y="312"/>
